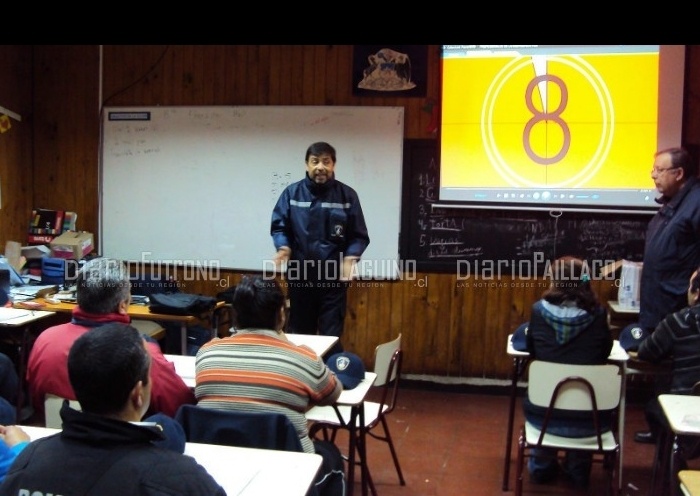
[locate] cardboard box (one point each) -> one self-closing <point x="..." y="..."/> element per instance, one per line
<point x="74" y="245"/>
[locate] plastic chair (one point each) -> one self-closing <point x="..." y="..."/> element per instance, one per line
<point x="583" y="388"/>
<point x="52" y="409"/>
<point x="328" y="419"/>
<point x="231" y="428"/>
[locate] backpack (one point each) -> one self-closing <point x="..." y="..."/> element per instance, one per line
<point x="181" y="303"/>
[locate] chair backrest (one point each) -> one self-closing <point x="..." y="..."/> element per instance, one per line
<point x="383" y="357"/>
<point x="230" y="428"/>
<point x="387" y="365"/>
<point x="574" y="387"/>
<point x="696" y="389"/>
<point x="52" y="409"/>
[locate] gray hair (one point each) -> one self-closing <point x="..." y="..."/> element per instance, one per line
<point x="102" y="284"/>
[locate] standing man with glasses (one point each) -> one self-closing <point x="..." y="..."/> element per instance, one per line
<point x="672" y="246"/>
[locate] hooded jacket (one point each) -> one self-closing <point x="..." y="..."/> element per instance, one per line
<point x="95" y="455"/>
<point x="568" y="334"/>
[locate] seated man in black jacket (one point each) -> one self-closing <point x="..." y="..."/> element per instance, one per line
<point x="676" y="337"/>
<point x="104" y="449"/>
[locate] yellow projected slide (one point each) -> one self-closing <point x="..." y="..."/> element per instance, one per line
<point x="583" y="120"/>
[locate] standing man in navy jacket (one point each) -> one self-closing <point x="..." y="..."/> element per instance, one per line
<point x="672" y="246"/>
<point x="319" y="231"/>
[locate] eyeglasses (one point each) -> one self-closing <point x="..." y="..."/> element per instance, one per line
<point x="659" y="171"/>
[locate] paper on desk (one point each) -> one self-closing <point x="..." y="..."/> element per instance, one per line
<point x="35" y="251"/>
<point x="8" y="313"/>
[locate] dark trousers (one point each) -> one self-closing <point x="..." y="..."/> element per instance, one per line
<point x="9" y="381"/>
<point x="318" y="308"/>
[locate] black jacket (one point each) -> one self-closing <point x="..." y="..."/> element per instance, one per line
<point x="585" y="340"/>
<point x="94" y="455"/>
<point x="677" y="337"/>
<point x="671" y="254"/>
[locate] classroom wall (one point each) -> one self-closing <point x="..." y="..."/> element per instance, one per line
<point x="16" y="165"/>
<point x="50" y="160"/>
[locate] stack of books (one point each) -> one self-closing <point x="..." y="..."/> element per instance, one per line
<point x="46" y="224"/>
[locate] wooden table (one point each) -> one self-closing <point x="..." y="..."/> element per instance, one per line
<point x="690" y="482"/>
<point x="520" y="360"/>
<point x="142" y="312"/>
<point x="244" y="471"/>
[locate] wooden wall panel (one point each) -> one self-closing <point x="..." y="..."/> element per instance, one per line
<point x="691" y="124"/>
<point x="450" y="328"/>
<point x="66" y="130"/>
<point x="16" y="172"/>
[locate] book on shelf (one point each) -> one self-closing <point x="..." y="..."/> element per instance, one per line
<point x="45" y="221"/>
<point x="46" y="224"/>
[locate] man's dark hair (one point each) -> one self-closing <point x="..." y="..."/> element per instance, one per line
<point x="695" y="281"/>
<point x="257" y="302"/>
<point x="571" y="282"/>
<point x="680" y="158"/>
<point x="320" y="148"/>
<point x="104" y="365"/>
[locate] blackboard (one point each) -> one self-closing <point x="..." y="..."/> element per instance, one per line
<point x="480" y="240"/>
<point x="196" y="185"/>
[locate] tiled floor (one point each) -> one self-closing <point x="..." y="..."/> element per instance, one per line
<point x="453" y="443"/>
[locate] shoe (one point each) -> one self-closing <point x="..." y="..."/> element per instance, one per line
<point x="543" y="476"/>
<point x="576" y="482"/>
<point x="576" y="479"/>
<point x="645" y="437"/>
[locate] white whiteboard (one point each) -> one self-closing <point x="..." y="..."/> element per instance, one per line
<point x="197" y="185"/>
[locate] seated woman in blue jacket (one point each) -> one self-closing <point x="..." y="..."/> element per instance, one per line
<point x="567" y="325"/>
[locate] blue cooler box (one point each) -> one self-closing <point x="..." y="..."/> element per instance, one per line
<point x="53" y="270"/>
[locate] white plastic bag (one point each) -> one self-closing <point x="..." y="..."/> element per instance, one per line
<point x="630" y="281"/>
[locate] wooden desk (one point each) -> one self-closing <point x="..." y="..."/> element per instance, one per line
<point x="15" y="319"/>
<point x="520" y="360"/>
<point x="244" y="471"/>
<point x="690" y="482"/>
<point x="185" y="365"/>
<point x="142" y="312"/>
